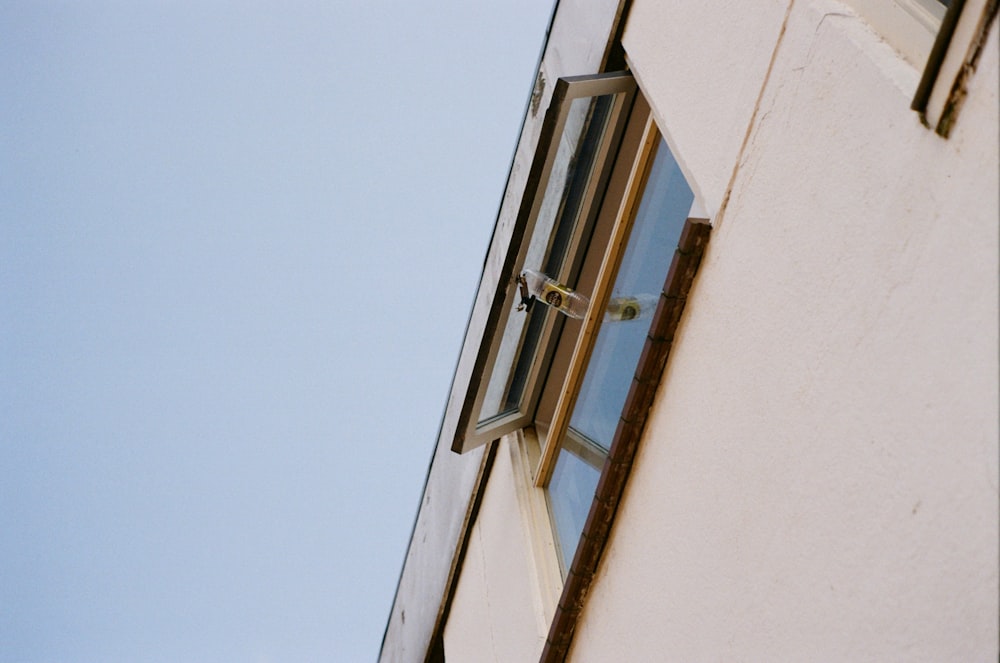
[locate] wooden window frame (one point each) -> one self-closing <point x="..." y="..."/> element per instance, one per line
<point x="951" y="63"/>
<point x="473" y="429"/>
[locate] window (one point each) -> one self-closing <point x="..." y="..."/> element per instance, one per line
<point x="952" y="61"/>
<point x="568" y="179"/>
<point x="604" y="211"/>
<point x="665" y="204"/>
<point x="944" y="38"/>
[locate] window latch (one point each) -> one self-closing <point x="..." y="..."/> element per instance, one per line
<point x="535" y="285"/>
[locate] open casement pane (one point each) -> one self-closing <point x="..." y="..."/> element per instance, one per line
<point x="576" y="149"/>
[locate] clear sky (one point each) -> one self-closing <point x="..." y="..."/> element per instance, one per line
<point x="239" y="243"/>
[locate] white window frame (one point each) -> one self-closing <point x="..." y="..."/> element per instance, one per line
<point x="473" y="429"/>
<point x="952" y="62"/>
<point x="614" y="188"/>
<point x="944" y="43"/>
<point x="635" y="161"/>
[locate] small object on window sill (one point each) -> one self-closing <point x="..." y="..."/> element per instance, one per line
<point x="631" y="307"/>
<point x="535" y="285"/>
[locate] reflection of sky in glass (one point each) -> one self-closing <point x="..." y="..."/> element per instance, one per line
<point x="665" y="204"/>
<point x="663" y="209"/>
<point x="571" y="490"/>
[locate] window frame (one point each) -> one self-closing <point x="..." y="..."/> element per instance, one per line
<point x="472" y="431"/>
<point x="610" y="260"/>
<point x="615" y="187"/>
<point x="952" y="61"/>
<point x="560" y="365"/>
<point x="634" y="166"/>
<point x="589" y="548"/>
<point x="944" y="45"/>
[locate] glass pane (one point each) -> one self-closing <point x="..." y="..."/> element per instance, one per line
<point x="557" y="218"/>
<point x="571" y="490"/>
<point x="663" y="209"/>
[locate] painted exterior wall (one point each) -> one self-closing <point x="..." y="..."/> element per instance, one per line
<point x="499" y="609"/>
<point x="818" y="478"/>
<point x="705" y="79"/>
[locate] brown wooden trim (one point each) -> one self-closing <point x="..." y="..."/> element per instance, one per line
<point x="959" y="88"/>
<point x="687" y="257"/>
<point x="936" y="58"/>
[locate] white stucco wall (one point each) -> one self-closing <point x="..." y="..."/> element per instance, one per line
<point x="819" y="478"/>
<point x="705" y="63"/>
<point x="498" y="612"/>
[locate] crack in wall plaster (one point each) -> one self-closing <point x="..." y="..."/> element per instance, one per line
<point x="753" y="119"/>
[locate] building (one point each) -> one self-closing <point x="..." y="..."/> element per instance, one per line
<point x="774" y="434"/>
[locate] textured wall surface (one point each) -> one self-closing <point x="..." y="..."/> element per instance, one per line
<point x="495" y="613"/>
<point x="818" y="480"/>
<point x="704" y="63"/>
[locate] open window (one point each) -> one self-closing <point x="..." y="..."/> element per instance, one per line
<point x="581" y="131"/>
<point x="634" y="293"/>
<point x="605" y="211"/>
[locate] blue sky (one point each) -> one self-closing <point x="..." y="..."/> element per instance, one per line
<point x="239" y="243"/>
